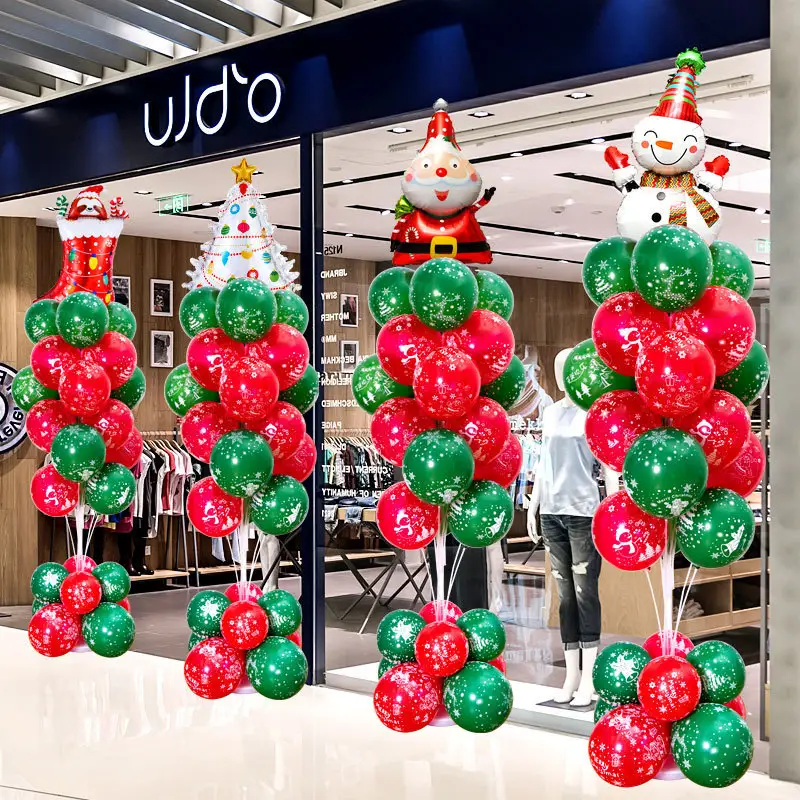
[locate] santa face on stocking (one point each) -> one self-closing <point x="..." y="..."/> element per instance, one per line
<point x="441" y="183"/>
<point x="668" y="146"/>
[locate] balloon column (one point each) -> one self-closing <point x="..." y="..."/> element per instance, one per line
<point x="78" y="391"/>
<point x="666" y="378"/>
<point x="438" y="389"/>
<point x="242" y="394"/>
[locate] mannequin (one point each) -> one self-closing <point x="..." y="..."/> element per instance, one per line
<point x="567" y="496"/>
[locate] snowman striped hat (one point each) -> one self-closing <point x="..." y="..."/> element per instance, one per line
<point x="679" y="100"/>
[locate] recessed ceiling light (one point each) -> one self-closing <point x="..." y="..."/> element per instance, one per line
<point x="347" y="180"/>
<point x="578" y="95"/>
<point x="349" y="234"/>
<point x="142" y="191"/>
<point x="597" y="211"/>
<point x="386" y="211"/>
<point x="506" y="177"/>
<point x="258" y="172"/>
<point x="562" y="260"/>
<point x="765" y="221"/>
<point x="570" y="201"/>
<point x="399" y="129"/>
<point x="516" y="154"/>
<point x="761" y="211"/>
<point x="481" y="114"/>
<point x="206" y="205"/>
<point x="557" y="233"/>
<point x="735" y="144"/>
<point x="597" y="140"/>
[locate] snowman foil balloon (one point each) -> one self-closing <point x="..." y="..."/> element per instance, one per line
<point x="669" y="146"/>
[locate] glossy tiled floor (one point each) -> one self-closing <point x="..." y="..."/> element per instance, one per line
<point x="84" y="727"/>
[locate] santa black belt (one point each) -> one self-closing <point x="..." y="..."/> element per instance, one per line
<point x="444" y="249"/>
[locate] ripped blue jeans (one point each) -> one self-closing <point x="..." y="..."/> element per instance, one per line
<point x="575" y="564"/>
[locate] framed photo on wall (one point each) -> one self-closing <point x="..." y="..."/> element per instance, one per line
<point x="349" y="309"/>
<point x="161" y="346"/>
<point x="349" y="355"/>
<point x="121" y="284"/>
<point x="160" y="298"/>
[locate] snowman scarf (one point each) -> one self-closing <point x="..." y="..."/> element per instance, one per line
<point x="683" y="182"/>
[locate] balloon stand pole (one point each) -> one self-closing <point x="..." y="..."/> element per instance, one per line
<point x="80" y="515"/>
<point x="667" y="591"/>
<point x="440" y="562"/>
<point x="242" y="532"/>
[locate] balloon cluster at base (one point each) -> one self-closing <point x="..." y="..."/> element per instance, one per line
<point x="244" y="638"/>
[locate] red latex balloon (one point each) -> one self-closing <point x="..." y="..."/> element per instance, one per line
<point x="625" y="536"/>
<point x="285" y="349"/>
<point x="208" y="353"/>
<point x="54" y="631"/>
<point x="721" y="425"/>
<point x="669" y="688"/>
<point x="213" y="668"/>
<point x="675" y="374"/>
<point x="664" y="643"/>
<point x="487" y="339"/>
<point x="395" y="424"/>
<point x="503" y="469"/>
<point x="402" y="342"/>
<point x="438" y="610"/>
<point x="129" y="454"/>
<point x="447" y="383"/>
<point x="50" y="357"/>
<point x="45" y="420"/>
<point x="248" y="389"/>
<point x="80" y="564"/>
<point x="737" y="704"/>
<point x="499" y="663"/>
<point x="406" y="698"/>
<point x="296" y="637"/>
<point x="244" y="624"/>
<point x="116" y="354"/>
<point x="404" y="520"/>
<point x="52" y="494"/>
<point x="85" y="388"/>
<point x="213" y="512"/>
<point x="622" y="325"/>
<point x="613" y="422"/>
<point x="485" y="428"/>
<point x="125" y="603"/>
<point x="115" y="423"/>
<point x="203" y="426"/>
<point x="627" y="747"/>
<point x="283" y="428"/>
<point x="441" y="649"/>
<point x="724" y="322"/>
<point x="300" y="464"/>
<point x="81" y="592"/>
<point x="253" y="592"/>
<point x="745" y="472"/>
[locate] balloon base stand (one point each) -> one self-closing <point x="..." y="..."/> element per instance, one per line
<point x="81" y="647"/>
<point x="245" y="687"/>
<point x="670" y="771"/>
<point x="442" y="719"/>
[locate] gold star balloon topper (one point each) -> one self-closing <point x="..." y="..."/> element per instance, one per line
<point x="243" y="171"/>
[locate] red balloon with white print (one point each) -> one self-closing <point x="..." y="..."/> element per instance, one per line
<point x="404" y="520"/>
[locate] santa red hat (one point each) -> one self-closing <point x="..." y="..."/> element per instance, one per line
<point x="441" y="133"/>
<point x="679" y="100"/>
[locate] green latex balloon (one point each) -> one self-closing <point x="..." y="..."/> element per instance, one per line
<point x="494" y="294"/>
<point x="389" y="294"/>
<point x="198" y="310"/>
<point x="507" y="388"/>
<point x="82" y="319"/>
<point x="40" y="320"/>
<point x="78" y="452"/>
<point x="280" y="507"/>
<point x="46" y="581"/>
<point x="283" y="612"/>
<point x="114" y="580"/>
<point x="443" y="293"/>
<point x="246" y="309"/>
<point x="438" y="466"/>
<point x="617" y="669"/>
<point x="387" y="664"/>
<point x="718" y="530"/>
<point x="721" y="670"/>
<point x="732" y="268"/>
<point x="204" y="613"/>
<point x="121" y="320"/>
<point x="602" y="707"/>
<point x="109" y="630"/>
<point x="27" y="391"/>
<point x="713" y="746"/>
<point x="372" y="386"/>
<point x="38" y="605"/>
<point x="112" y="490"/>
<point x="586" y="377"/>
<point x="397" y="634"/>
<point x="291" y="309"/>
<point x="485" y="634"/>
<point x="277" y="668"/>
<point x="305" y="392"/>
<point x="665" y="472"/>
<point x="196" y="638"/>
<point x="241" y="463"/>
<point x="607" y="268"/>
<point x="182" y="391"/>
<point x="747" y="380"/>
<point x="478" y="697"/>
<point x="482" y="515"/>
<point x="671" y="267"/>
<point x="132" y="391"/>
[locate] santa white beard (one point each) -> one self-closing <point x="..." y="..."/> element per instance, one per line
<point x="442" y="195"/>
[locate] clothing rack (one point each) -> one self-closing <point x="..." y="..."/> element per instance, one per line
<point x="158" y="434"/>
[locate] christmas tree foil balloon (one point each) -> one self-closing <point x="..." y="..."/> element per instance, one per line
<point x="242" y="394"/>
<point x="673" y="316"/>
<point x="244" y="244"/>
<point x="444" y="342"/>
<point x="82" y="362"/>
